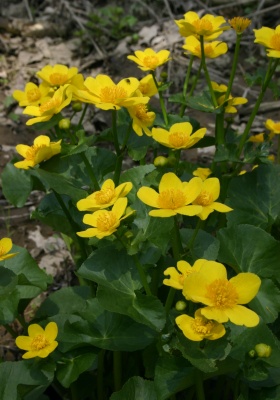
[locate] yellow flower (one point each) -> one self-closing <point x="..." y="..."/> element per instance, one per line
<point x="147" y="86"/>
<point x="273" y="127"/>
<point x="173" y="198"/>
<point x="211" y="50"/>
<point x="57" y="75"/>
<point x="105" y="222"/>
<point x="105" y="197"/>
<point x="271" y="157"/>
<point x="199" y="327"/>
<point x="231" y="101"/>
<point x="77" y="87"/>
<point x="202" y="173"/>
<point x="142" y="119"/>
<point x="239" y="24"/>
<point x="149" y="60"/>
<point x="208" y="26"/>
<point x="223" y="297"/>
<point x="218" y="88"/>
<point x="49" y="107"/>
<point x="32" y="95"/>
<point x="177" y="279"/>
<point x="270" y="38"/>
<point x="39" y="342"/>
<point x="5" y="246"/>
<point x="210" y="191"/>
<point x="179" y="136"/>
<point x="105" y="94"/>
<point x="259" y="138"/>
<point x="42" y="149"/>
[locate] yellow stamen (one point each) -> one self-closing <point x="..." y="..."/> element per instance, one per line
<point x="222" y="293"/>
<point x="58" y="79"/>
<point x="171" y="199"/>
<point x="202" y="326"/>
<point x="203" y="26"/>
<point x="275" y="41"/>
<point x="239" y="24"/>
<point x="178" y="139"/>
<point x="104" y="196"/>
<point x="112" y="94"/>
<point x="141" y="113"/>
<point x="106" y="221"/>
<point x="151" y="61"/>
<point x="32" y="151"/>
<point x="49" y="105"/>
<point x="204" y="199"/>
<point x="39" y="342"/>
<point x="33" y="95"/>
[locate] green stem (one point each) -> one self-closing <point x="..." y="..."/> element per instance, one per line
<point x="186" y="84"/>
<point x="90" y="171"/>
<point x="117" y="361"/>
<point x="270" y="71"/>
<point x="192" y="239"/>
<point x="234" y="66"/>
<point x="142" y="274"/>
<point x="177" y="154"/>
<point x="82" y="117"/>
<point x="10" y="330"/>
<point x="72" y="223"/>
<point x="170" y="299"/>
<point x="219" y="128"/>
<point x="162" y="105"/>
<point x="176" y="243"/>
<point x="196" y="79"/>
<point x="100" y="375"/>
<point x="115" y="132"/>
<point x="207" y="76"/>
<point x="278" y="150"/>
<point x="199" y="385"/>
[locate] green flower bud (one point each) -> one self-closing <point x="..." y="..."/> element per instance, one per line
<point x="160" y="161"/>
<point x="252" y="353"/>
<point x="77" y="106"/>
<point x="180" y="305"/>
<point x="263" y="350"/>
<point x="64" y="124"/>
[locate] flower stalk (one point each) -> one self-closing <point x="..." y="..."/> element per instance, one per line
<point x="161" y="100"/>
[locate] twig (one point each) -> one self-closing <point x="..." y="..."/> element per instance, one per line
<point x="29" y="13"/>
<point x="168" y="9"/>
<point x="151" y="11"/>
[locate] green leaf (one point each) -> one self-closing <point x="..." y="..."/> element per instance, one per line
<point x="69" y="369"/>
<point x="267" y="302"/>
<point x="255" y="197"/>
<point x="203" y="102"/>
<point x="9" y="307"/>
<point x="8" y="281"/>
<point x="136" y="175"/>
<point x="20" y="377"/>
<point x="136" y="388"/>
<point x="226" y="153"/>
<point x="119" y="287"/>
<point x="16" y="185"/>
<point x="250" y="249"/>
<point x="257" y="78"/>
<point x="205" y="245"/>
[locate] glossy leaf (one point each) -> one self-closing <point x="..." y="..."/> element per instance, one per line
<point x="16" y="185"/>
<point x="136" y="388"/>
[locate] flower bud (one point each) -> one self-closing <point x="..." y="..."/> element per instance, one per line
<point x="77" y="106"/>
<point x="180" y="305"/>
<point x="64" y="124"/>
<point x="263" y="350"/>
<point x="252" y="353"/>
<point x="160" y="161"/>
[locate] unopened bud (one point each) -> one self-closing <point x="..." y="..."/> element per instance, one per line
<point x="160" y="161"/>
<point x="77" y="106"/>
<point x="64" y="124"/>
<point x="263" y="350"/>
<point x="252" y="353"/>
<point x="180" y="305"/>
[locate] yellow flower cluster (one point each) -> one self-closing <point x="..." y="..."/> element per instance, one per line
<point x="206" y="282"/>
<point x="6" y="245"/>
<point x="103" y="222"/>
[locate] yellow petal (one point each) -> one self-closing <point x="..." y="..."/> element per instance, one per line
<point x="189" y="210"/>
<point x="212" y="185"/>
<point x="119" y="207"/>
<point x="241" y="315"/>
<point x="24" y="342"/>
<point x="34" y="330"/>
<point x="185" y="322"/>
<point x="6" y="245"/>
<point x="148" y="196"/>
<point x="220" y="207"/>
<point x="51" y="331"/>
<point x="247" y="286"/>
<point x="168" y="181"/>
<point x="88" y="233"/>
<point x="162" y="213"/>
<point x="216" y="314"/>
<point x="174" y="279"/>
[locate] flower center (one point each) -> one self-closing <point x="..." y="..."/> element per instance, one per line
<point x="239" y="24"/>
<point x="204" y="199"/>
<point x="144" y="88"/>
<point x="58" y="79"/>
<point x="33" y="95"/>
<point x="222" y="293"/>
<point x="151" y="61"/>
<point x="106" y="221"/>
<point x="202" y="326"/>
<point x="178" y="139"/>
<point x="141" y="113"/>
<point x="275" y="41"/>
<point x="112" y="94"/>
<point x="171" y="199"/>
<point x="202" y="26"/>
<point x="104" y="196"/>
<point x="39" y="342"/>
<point x="32" y="151"/>
<point x="48" y="105"/>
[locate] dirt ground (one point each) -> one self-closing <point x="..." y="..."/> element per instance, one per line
<point x="32" y="36"/>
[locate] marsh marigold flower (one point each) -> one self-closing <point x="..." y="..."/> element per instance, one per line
<point x="270" y="38"/>
<point x="39" y="342"/>
<point x="223" y="298"/>
<point x="105" y="94"/>
<point x="239" y="24"/>
<point x="142" y="119"/>
<point x="174" y="196"/>
<point x="273" y="127"/>
<point x="6" y="245"/>
<point x="210" y="191"/>
<point x="32" y="95"/>
<point x="259" y="138"/>
<point x="211" y="49"/>
<point x="49" y="107"/>
<point x="147" y="86"/>
<point x="199" y="327"/>
<point x="179" y="136"/>
<point x="209" y="26"/>
<point x="103" y="222"/>
<point x="202" y="173"/>
<point x="105" y="197"/>
<point x="149" y="60"/>
<point x="178" y="276"/>
<point x="231" y="102"/>
<point x="57" y="75"/>
<point x="42" y="149"/>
